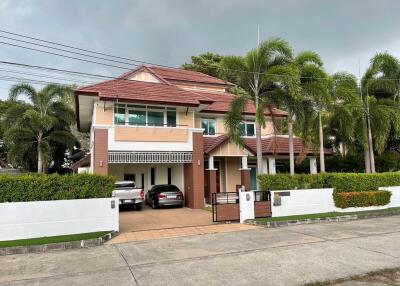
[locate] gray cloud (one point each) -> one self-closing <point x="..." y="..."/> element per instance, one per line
<point x="169" y="32"/>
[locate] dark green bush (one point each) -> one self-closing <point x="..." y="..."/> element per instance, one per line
<point x="361" y="199"/>
<point x="341" y="182"/>
<point x="34" y="187"/>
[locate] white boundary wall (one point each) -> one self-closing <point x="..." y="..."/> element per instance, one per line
<point x="309" y="201"/>
<point x="305" y="201"/>
<point x="23" y="220"/>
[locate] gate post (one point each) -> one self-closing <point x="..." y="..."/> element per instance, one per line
<point x="246" y="204"/>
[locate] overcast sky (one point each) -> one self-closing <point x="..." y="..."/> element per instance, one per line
<point x="169" y="32"/>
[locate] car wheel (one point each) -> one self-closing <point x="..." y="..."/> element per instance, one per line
<point x="153" y="205"/>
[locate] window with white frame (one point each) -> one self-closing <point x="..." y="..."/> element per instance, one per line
<point x="247" y="129"/>
<point x="144" y="115"/>
<point x="208" y="125"/>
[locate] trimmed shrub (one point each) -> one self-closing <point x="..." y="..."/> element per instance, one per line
<point x="361" y="199"/>
<point x="341" y="182"/>
<point x="34" y="187"/>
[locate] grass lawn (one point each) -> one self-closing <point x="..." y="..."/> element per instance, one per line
<point x="325" y="215"/>
<point x="52" y="239"/>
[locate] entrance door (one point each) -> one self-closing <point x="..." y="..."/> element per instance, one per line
<point x="253" y="177"/>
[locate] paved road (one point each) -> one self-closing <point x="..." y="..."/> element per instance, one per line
<point x="284" y="256"/>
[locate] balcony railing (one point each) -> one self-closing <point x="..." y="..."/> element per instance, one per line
<point x="149" y="157"/>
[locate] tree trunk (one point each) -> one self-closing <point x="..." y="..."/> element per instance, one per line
<point x="291" y="149"/>
<point x="40" y="160"/>
<point x="321" y="145"/>
<point x="366" y="160"/>
<point x="259" y="152"/>
<point x="371" y="147"/>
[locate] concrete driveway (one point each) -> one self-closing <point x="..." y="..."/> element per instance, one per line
<point x="282" y="256"/>
<point x="162" y="218"/>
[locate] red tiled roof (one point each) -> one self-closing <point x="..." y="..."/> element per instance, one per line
<point x="141" y="91"/>
<point x="177" y="74"/>
<point x="278" y="145"/>
<point x="84" y="161"/>
<point x="222" y="101"/>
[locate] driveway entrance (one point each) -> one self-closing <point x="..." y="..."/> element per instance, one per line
<point x="151" y="224"/>
<point x="163" y="218"/>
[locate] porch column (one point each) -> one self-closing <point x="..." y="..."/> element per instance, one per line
<point x="100" y="156"/>
<point x="245" y="174"/>
<point x="265" y="165"/>
<point x="272" y="167"/>
<point x="313" y="165"/>
<point x="212" y="177"/>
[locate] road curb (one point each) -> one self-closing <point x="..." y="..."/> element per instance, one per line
<point x="274" y="224"/>
<point x="86" y="243"/>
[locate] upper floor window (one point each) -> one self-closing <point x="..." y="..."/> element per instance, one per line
<point x="142" y="115"/>
<point x="247" y="128"/>
<point x="119" y="114"/>
<point x="208" y="125"/>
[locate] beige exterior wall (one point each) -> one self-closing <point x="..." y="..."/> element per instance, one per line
<point x="268" y="129"/>
<point x="233" y="176"/>
<point x="144" y="76"/>
<point x="104" y="116"/>
<point x="229" y="149"/>
<point x="151" y="134"/>
<point x="186" y="119"/>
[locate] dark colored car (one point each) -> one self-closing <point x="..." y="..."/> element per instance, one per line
<point x="164" y="195"/>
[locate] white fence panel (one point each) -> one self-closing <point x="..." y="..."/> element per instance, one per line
<point x="23" y="220"/>
<point x="304" y="201"/>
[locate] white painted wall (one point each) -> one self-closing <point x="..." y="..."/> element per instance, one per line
<point x="51" y="218"/>
<point x="309" y="201"/>
<point x="118" y="170"/>
<point x="305" y="201"/>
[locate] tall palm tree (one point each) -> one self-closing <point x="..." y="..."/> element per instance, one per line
<point x="261" y="73"/>
<point x="381" y="80"/>
<point x="44" y="125"/>
<point x="314" y="101"/>
<point x="348" y="124"/>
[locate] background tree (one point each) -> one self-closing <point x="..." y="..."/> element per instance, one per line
<point x="208" y="63"/>
<point x="42" y="128"/>
<point x="261" y="73"/>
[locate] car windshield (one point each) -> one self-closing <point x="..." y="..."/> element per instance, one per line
<point x="125" y="185"/>
<point x="168" y="189"/>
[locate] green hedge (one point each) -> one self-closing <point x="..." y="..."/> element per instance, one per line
<point x="361" y="199"/>
<point x="341" y="182"/>
<point x="34" y="187"/>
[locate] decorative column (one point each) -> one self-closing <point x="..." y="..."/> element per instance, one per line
<point x="100" y="156"/>
<point x="245" y="174"/>
<point x="265" y="165"/>
<point x="272" y="167"/>
<point x="313" y="165"/>
<point x="212" y="177"/>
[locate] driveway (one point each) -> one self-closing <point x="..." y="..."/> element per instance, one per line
<point x="162" y="218"/>
<point x="283" y="256"/>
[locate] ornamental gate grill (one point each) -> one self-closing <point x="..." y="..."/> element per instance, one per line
<point x="225" y="206"/>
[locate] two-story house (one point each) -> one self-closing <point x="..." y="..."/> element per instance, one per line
<point x="157" y="125"/>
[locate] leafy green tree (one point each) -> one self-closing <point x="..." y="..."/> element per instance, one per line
<point x="41" y="128"/>
<point x="265" y="74"/>
<point x="208" y="63"/>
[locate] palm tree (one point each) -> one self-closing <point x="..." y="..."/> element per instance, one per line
<point x="263" y="74"/>
<point x="43" y="126"/>
<point x="382" y="80"/>
<point x="348" y="124"/>
<point x="315" y="99"/>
